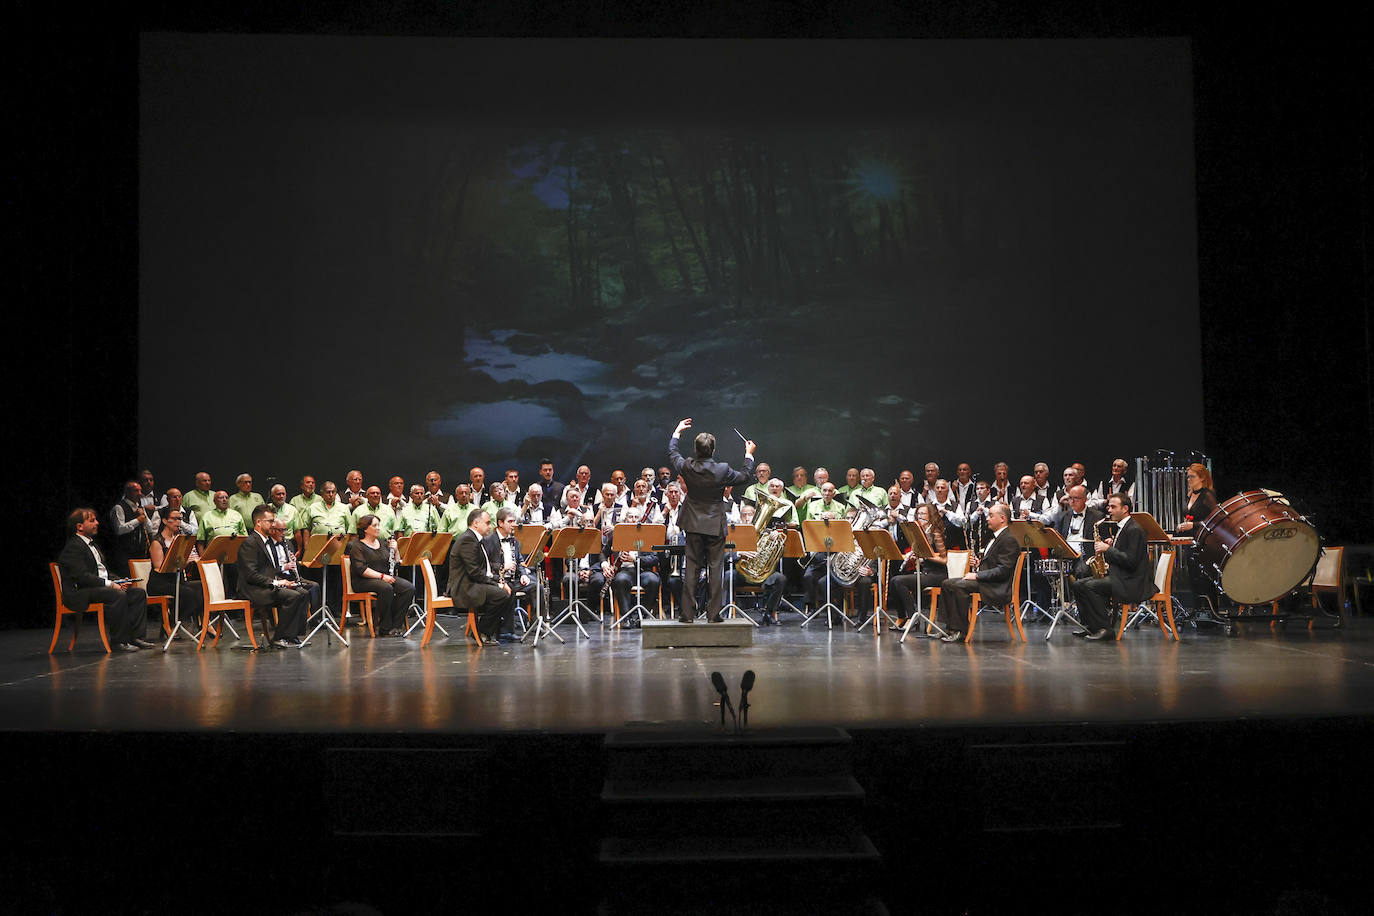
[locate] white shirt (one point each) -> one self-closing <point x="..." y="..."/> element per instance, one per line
<point x="100" y="569"/>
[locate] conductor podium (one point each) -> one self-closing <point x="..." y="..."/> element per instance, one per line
<point x="673" y="634"/>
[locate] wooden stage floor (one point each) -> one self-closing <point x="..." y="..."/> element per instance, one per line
<point x="804" y="676"/>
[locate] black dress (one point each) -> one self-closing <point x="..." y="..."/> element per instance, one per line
<point x="1204" y="505"/>
<point x="389" y="610"/>
<point x="192" y="598"/>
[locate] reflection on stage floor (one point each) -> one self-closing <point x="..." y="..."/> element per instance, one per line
<point x="804" y="676"/>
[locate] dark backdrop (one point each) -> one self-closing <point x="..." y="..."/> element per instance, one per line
<point x="1281" y="144"/>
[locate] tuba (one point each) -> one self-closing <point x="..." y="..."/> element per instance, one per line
<point x="760" y="566"/>
<point x="845" y="566"/>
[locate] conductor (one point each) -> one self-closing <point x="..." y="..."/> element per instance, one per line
<point x="702" y="518"/>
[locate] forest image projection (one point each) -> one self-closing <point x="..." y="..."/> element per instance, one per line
<point x="443" y="290"/>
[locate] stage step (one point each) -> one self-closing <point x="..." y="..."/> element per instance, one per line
<point x="670" y="634"/>
<point x="703" y="818"/>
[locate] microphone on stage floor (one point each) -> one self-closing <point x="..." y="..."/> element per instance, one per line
<point x="719" y="683"/>
<point x="746" y="684"/>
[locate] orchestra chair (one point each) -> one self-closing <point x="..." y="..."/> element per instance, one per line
<point x="1163" y="596"/>
<point x="138" y="571"/>
<point x="434" y="603"/>
<point x="956" y="565"/>
<point x="1013" y="605"/>
<point x="1329" y="576"/>
<point x="95" y="607"/>
<point x="362" y="599"/>
<point x="212" y="588"/>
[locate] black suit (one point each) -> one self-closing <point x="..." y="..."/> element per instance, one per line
<point x="475" y="586"/>
<point x="1090" y="518"/>
<point x="994" y="582"/>
<point x="257" y="570"/>
<point x="703" y="521"/>
<point x="126" y="610"/>
<point x="1129" y="578"/>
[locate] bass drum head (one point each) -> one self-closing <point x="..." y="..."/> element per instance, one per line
<point x="1270" y="562"/>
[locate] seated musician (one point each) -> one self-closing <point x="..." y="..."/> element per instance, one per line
<point x="473" y="583"/>
<point x="621" y="570"/>
<point x="504" y="547"/>
<point x="1202" y="502"/>
<point x="972" y="519"/>
<point x="670" y="564"/>
<point x="1129" y="575"/>
<point x="535" y="510"/>
<point x="289" y="568"/>
<point x="1075" y="524"/>
<point x="86" y="579"/>
<point x="946" y="505"/>
<point x="772" y="587"/>
<point x="189" y="523"/>
<point x="264" y="584"/>
<point x="192" y="596"/>
<point x="990" y="576"/>
<point x="370" y="557"/>
<point x="933" y="570"/>
<point x="586" y="570"/>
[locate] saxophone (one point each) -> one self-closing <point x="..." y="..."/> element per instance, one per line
<point x="757" y="568"/>
<point x="845" y="566"/>
<point x="1098" y="563"/>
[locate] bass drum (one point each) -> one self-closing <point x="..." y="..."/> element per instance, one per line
<point x="1256" y="547"/>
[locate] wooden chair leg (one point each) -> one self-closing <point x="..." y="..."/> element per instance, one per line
<point x="100" y="625"/>
<point x="367" y="611"/>
<point x="429" y="627"/>
<point x="973" y="617"/>
<point x="1014" y="620"/>
<point x="1125" y="614"/>
<point x="248" y="623"/>
<point x="76" y="630"/>
<point x="934" y="606"/>
<point x="56" y="632"/>
<point x="471" y="628"/>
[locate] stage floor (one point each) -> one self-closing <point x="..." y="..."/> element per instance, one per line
<point x="804" y="676"/>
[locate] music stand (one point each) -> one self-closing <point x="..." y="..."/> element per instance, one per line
<point x="533" y="541"/>
<point x="573" y="544"/>
<point x="741" y="538"/>
<point x="638" y="537"/>
<point x="1062" y="550"/>
<point x="321" y="552"/>
<point x="878" y="545"/>
<point x="1030" y="535"/>
<point x="419" y="546"/>
<point x="175" y="561"/>
<point x="224" y="550"/>
<point x="828" y="536"/>
<point x="917" y="539"/>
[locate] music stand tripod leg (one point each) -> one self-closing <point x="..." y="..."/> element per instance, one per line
<point x="574" y="607"/>
<point x="176" y="611"/>
<point x="325" y="614"/>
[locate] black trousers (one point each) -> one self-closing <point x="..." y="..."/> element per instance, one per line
<point x="957" y="597"/>
<point x="126" y="612"/>
<point x="704" y="551"/>
<point x="293" y="608"/>
<point x="495" y="611"/>
<point x="772" y="590"/>
<point x="389" y="609"/>
<point x="1093" y="597"/>
<point x="624" y="580"/>
<point x="904" y="587"/>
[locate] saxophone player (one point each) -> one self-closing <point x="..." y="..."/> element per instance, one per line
<point x="1128" y="577"/>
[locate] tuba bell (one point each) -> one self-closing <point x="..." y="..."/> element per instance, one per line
<point x="757" y="568"/>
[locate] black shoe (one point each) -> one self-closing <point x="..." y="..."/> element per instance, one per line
<point x="684" y="620"/>
<point x="1097" y="634"/>
<point x="284" y="643"/>
<point x="127" y="647"/>
<point x="952" y="636"/>
<point x="490" y="641"/>
<point x="715" y="619"/>
<point x="765" y="621"/>
<point x="1080" y="632"/>
<point x="143" y="643"/>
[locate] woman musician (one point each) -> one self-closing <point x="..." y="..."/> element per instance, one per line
<point x="934" y="570"/>
<point x="1202" y="502"/>
<point x="192" y="599"/>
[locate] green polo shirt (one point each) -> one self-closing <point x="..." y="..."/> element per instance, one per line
<point x="303" y="506"/>
<point x="335" y="519"/>
<point x="843" y="493"/>
<point x="876" y="495"/>
<point x="817" y="506"/>
<point x="751" y="492"/>
<point x="215" y="524"/>
<point x="199" y="501"/>
<point x="243" y="503"/>
<point x="385" y="517"/>
<point x="455" y="520"/>
<point x="423" y="517"/>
